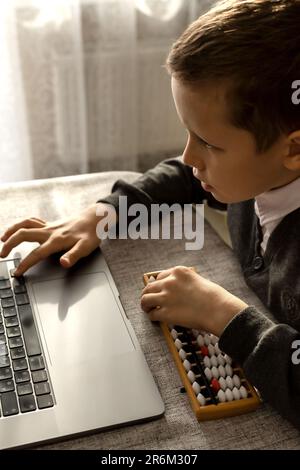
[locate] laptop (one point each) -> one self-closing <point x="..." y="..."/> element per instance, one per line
<point x="70" y="362"/>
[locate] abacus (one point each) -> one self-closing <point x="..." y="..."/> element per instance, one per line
<point x="215" y="384"/>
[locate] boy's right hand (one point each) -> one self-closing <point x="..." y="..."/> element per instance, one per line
<point x="76" y="236"/>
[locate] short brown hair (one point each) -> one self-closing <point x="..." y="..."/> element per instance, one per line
<point x="255" y="44"/>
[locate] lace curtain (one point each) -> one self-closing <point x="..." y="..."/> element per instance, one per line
<point x="82" y="87"/>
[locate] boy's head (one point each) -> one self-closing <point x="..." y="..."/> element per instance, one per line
<point x="232" y="75"/>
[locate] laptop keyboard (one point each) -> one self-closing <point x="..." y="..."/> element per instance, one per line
<point x="24" y="384"/>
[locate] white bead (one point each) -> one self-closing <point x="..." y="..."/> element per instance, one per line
<point x="217" y="349"/>
<point x="187" y="365"/>
<point x="214" y="361"/>
<point x="215" y="372"/>
<point x="229" y="394"/>
<point x="208" y="373"/>
<point x="151" y="278"/>
<point x="221" y="360"/>
<point x="222" y="383"/>
<point x="221" y="396"/>
<point x="228" y="359"/>
<point x="206" y="361"/>
<point x="207" y="339"/>
<point x="196" y="387"/>
<point x="222" y="371"/>
<point x="243" y="392"/>
<point x="195" y="332"/>
<point x="174" y="334"/>
<point x="211" y="349"/>
<point x="229" y="382"/>
<point x="228" y="369"/>
<point x="200" y="340"/>
<point x="236" y="380"/>
<point x="182" y="354"/>
<point x="191" y="376"/>
<point x="214" y="339"/>
<point x="178" y="344"/>
<point x="201" y="399"/>
<point x="236" y="393"/>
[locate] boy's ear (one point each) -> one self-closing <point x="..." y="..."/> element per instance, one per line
<point x="292" y="158"/>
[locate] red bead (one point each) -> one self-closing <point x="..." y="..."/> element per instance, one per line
<point x="204" y="351"/>
<point x="215" y="385"/>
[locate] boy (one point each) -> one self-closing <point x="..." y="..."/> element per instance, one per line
<point x="232" y="76"/>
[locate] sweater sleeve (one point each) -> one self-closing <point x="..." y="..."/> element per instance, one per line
<point x="171" y="181"/>
<point x="264" y="351"/>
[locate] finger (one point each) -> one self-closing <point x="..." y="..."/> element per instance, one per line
<point x="23" y="235"/>
<point x="39" y="220"/>
<point x="152" y="287"/>
<point x="164" y="274"/>
<point x="150" y="301"/>
<point x="27" y="223"/>
<point x="81" y="249"/>
<point x="156" y="314"/>
<point x="40" y="253"/>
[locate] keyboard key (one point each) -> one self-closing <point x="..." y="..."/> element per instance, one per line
<point x="1" y="320"/>
<point x="19" y="289"/>
<point x="11" y="321"/>
<point x="7" y="302"/>
<point x="44" y="401"/>
<point x="42" y="388"/>
<point x="9" y="404"/>
<point x="4" y="284"/>
<point x="20" y="364"/>
<point x="39" y="376"/>
<point x="9" y="312"/>
<point x="36" y="363"/>
<point x="29" y="330"/>
<point x="1" y="329"/>
<point x="2" y="339"/>
<point x="17" y="353"/>
<point x="6" y="386"/>
<point x="16" y="342"/>
<point x="27" y="403"/>
<point x="13" y="332"/>
<point x="4" y="361"/>
<point x="3" y="350"/>
<point x="3" y="271"/>
<point x="22" y="376"/>
<point x="24" y="389"/>
<point x="5" y="373"/>
<point x="6" y="293"/>
<point x="17" y="261"/>
<point x="22" y="299"/>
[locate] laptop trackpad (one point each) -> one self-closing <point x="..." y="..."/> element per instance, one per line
<point x="80" y="319"/>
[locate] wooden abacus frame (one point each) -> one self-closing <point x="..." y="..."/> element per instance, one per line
<point x="211" y="411"/>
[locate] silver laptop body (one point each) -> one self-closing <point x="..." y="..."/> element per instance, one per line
<point x="97" y="374"/>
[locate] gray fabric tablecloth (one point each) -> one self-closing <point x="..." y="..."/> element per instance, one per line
<point x="178" y="429"/>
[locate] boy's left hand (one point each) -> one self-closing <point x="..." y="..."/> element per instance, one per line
<point x="179" y="296"/>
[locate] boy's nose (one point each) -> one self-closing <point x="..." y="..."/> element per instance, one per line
<point x="190" y="159"/>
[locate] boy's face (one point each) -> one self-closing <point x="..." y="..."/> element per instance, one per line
<point x="231" y="165"/>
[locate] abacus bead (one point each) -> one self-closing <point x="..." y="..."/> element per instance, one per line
<point x="200" y="340"/>
<point x="207" y="339"/>
<point x="236" y="380"/>
<point x="221" y="359"/>
<point x="187" y="365"/>
<point x="222" y="371"/>
<point x="243" y="392"/>
<point x="229" y="394"/>
<point x="196" y="387"/>
<point x="204" y="351"/>
<point x="217" y="349"/>
<point x="228" y="359"/>
<point x="151" y="278"/>
<point x="221" y="395"/>
<point x="215" y="372"/>
<point x="208" y="373"/>
<point x="229" y="382"/>
<point x="228" y="369"/>
<point x="215" y="385"/>
<point x="182" y="354"/>
<point x="206" y="361"/>
<point x="174" y="333"/>
<point x="195" y="332"/>
<point x="178" y="344"/>
<point x="191" y="376"/>
<point x="201" y="399"/>
<point x="214" y="339"/>
<point x="236" y="393"/>
<point x="214" y="361"/>
<point x="211" y="349"/>
<point x="222" y="383"/>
